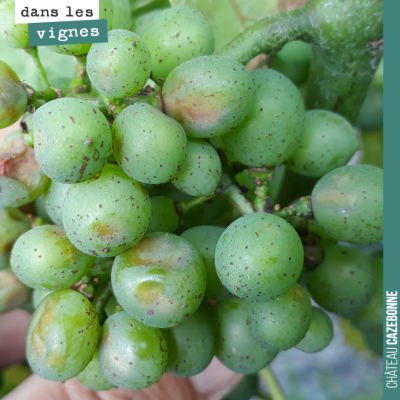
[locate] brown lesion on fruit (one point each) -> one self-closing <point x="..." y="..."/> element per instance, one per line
<point x="150" y="292"/>
<point x="105" y="231"/>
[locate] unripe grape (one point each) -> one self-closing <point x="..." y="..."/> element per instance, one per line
<point x="13" y="293"/>
<point x="120" y="67"/>
<point x="105" y="12"/>
<point x="209" y="95"/>
<point x="107" y="214"/>
<point x="234" y="346"/>
<point x="41" y="212"/>
<point x="344" y="282"/>
<point x="148" y="145"/>
<point x="62" y="335"/>
<point x="38" y="295"/>
<point x="161" y="281"/>
<point x="121" y="14"/>
<point x="53" y="199"/>
<point x="201" y="171"/>
<point x="13" y="223"/>
<point x="319" y="334"/>
<point x="259" y="256"/>
<point x="274" y="126"/>
<point x="92" y="376"/>
<point x="176" y="35"/>
<point x="328" y="142"/>
<point x="45" y="258"/>
<point x="13" y="97"/>
<point x="15" y="35"/>
<point x="281" y="322"/>
<point x="112" y="306"/>
<point x="205" y="239"/>
<point x="72" y="139"/>
<point x="164" y="217"/>
<point x="131" y="354"/>
<point x="348" y="203"/>
<point x="190" y="345"/>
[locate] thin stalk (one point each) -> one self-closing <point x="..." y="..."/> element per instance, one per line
<point x="262" y="177"/>
<point x="101" y="300"/>
<point x="80" y="82"/>
<point x="269" y="379"/>
<point x="184" y="206"/>
<point x="301" y="208"/>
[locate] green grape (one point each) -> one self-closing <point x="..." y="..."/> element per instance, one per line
<point x="105" y="12"/>
<point x="234" y="346"/>
<point x="44" y="258"/>
<point x="41" y="211"/>
<point x="315" y="235"/>
<point x="371" y="113"/>
<point x="107" y="214"/>
<point x="15" y="35"/>
<point x="293" y="61"/>
<point x="73" y="139"/>
<point x="259" y="256"/>
<point x="131" y="354"/>
<point x="274" y="126"/>
<point x="112" y="306"/>
<point x="176" y="35"/>
<point x="219" y="145"/>
<point x="13" y="292"/>
<point x="205" y="239"/>
<point x="343" y="283"/>
<point x="120" y="67"/>
<point x="164" y="217"/>
<point x="209" y="95"/>
<point x="12" y="140"/>
<point x="348" y="203"/>
<point x="121" y="14"/>
<point x="319" y="334"/>
<point x="21" y="179"/>
<point x="281" y="322"/>
<point x="141" y="23"/>
<point x="54" y="200"/>
<point x="328" y="142"/>
<point x="92" y="376"/>
<point x="161" y="281"/>
<point x="149" y="146"/>
<point x="190" y="345"/>
<point x="370" y="318"/>
<point x="13" y="223"/>
<point x="62" y="335"/>
<point x="102" y="266"/>
<point x="201" y="170"/>
<point x="38" y="295"/>
<point x="246" y="388"/>
<point x="13" y="97"/>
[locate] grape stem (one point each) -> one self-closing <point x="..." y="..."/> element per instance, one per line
<point x="269" y="379"/>
<point x="183" y="207"/>
<point x="48" y="93"/>
<point x="80" y="82"/>
<point x="300" y="208"/>
<point x="262" y="177"/>
<point x="233" y="194"/>
<point x="100" y="300"/>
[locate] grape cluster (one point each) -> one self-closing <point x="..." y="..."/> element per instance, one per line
<point x="138" y="260"/>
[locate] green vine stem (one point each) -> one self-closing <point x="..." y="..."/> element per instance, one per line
<point x="300" y="208"/>
<point x="347" y="41"/>
<point x="261" y="177"/>
<point x="272" y="384"/>
<point x="80" y="82"/>
<point x="101" y="299"/>
<point x="48" y="93"/>
<point x="183" y="207"/>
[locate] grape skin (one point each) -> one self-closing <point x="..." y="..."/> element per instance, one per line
<point x="201" y="170"/>
<point x="190" y="345"/>
<point x="107" y="214"/>
<point x="209" y="95"/>
<point x="328" y="142"/>
<point x="274" y="126"/>
<point x="15" y="35"/>
<point x="38" y="295"/>
<point x="131" y="355"/>
<point x="176" y="35"/>
<point x="259" y="256"/>
<point x="72" y="139"/>
<point x="205" y="239"/>
<point x="54" y="200"/>
<point x="148" y="145"/>
<point x="44" y="258"/>
<point x="348" y="203"/>
<point x="13" y="293"/>
<point x="319" y="334"/>
<point x="62" y="335"/>
<point x="344" y="282"/>
<point x="161" y="281"/>
<point x="234" y="346"/>
<point x="120" y="67"/>
<point x="164" y="217"/>
<point x="281" y="322"/>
